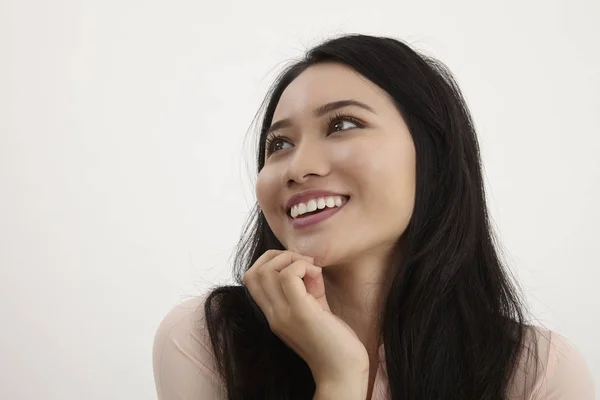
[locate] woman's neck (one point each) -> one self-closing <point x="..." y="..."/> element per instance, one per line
<point x="356" y="293"/>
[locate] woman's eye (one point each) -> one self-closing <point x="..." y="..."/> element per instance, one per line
<point x="278" y="144"/>
<point x="340" y="123"/>
<point x="275" y="143"/>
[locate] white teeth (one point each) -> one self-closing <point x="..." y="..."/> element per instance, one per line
<point x="313" y="204"/>
<point x="302" y="208"/>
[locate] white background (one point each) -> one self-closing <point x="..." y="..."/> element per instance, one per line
<point x="127" y="164"/>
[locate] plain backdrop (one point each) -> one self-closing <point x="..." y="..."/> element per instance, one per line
<point x="127" y="167"/>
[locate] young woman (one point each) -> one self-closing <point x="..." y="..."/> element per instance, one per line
<point x="369" y="268"/>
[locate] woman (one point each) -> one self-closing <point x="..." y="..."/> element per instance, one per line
<point x="369" y="270"/>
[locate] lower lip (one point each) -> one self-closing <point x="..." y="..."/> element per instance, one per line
<point x="315" y="218"/>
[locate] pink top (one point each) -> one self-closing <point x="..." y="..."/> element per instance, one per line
<point x="184" y="365"/>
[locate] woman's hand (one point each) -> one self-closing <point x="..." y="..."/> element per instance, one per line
<point x="291" y="293"/>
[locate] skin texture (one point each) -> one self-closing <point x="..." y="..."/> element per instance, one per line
<point x="373" y="162"/>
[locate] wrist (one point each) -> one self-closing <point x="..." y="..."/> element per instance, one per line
<point x="349" y="388"/>
<point x="351" y="372"/>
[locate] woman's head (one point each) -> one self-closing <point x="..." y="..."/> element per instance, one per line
<point x="412" y="155"/>
<point x="362" y="151"/>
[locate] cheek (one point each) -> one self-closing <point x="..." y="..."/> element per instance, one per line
<point x="370" y="165"/>
<point x="263" y="188"/>
<point x="400" y="187"/>
<point x="268" y="197"/>
<point x="266" y="189"/>
<point x="386" y="181"/>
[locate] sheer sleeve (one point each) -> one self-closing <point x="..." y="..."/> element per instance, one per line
<point x="567" y="374"/>
<point x="182" y="356"/>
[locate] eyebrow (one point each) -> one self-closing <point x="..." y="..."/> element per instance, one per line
<point x="320" y="111"/>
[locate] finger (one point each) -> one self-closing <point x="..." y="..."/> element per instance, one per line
<point x="252" y="281"/>
<point x="292" y="285"/>
<point x="293" y="257"/>
<point x="263" y="259"/>
<point x="312" y="274"/>
<point x="261" y="282"/>
<point x="268" y="275"/>
<point x="294" y="281"/>
<point x="315" y="285"/>
<point x="296" y="251"/>
<point x="298" y="295"/>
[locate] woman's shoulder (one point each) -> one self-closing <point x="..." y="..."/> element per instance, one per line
<point x="551" y="366"/>
<point x="183" y="359"/>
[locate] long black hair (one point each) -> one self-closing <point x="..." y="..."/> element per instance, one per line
<point x="453" y="322"/>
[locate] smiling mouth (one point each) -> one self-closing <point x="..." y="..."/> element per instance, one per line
<point x="334" y="203"/>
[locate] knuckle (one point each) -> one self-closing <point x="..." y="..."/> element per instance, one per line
<point x="287" y="277"/>
<point x="289" y="270"/>
<point x="272" y="252"/>
<point x="299" y="261"/>
<point x="248" y="277"/>
<point x="262" y="272"/>
<point x="275" y="325"/>
<point x="274" y="328"/>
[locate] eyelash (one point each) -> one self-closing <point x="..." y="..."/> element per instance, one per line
<point x="336" y="117"/>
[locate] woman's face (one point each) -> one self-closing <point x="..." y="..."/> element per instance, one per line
<point x="369" y="158"/>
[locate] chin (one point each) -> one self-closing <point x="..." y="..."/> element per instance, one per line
<point x="314" y="247"/>
<point x="324" y="260"/>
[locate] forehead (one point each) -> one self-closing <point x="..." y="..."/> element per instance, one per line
<point x="326" y="82"/>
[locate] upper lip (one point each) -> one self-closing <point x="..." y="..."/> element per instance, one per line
<point x="301" y="197"/>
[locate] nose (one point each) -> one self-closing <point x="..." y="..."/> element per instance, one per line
<point x="308" y="158"/>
